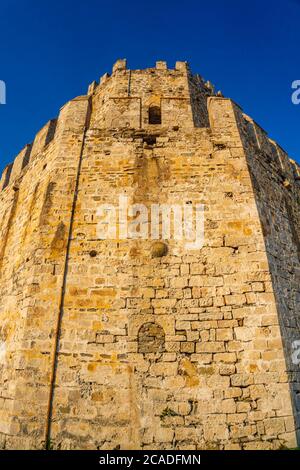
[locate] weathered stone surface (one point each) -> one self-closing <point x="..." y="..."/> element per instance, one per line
<point x="161" y="349"/>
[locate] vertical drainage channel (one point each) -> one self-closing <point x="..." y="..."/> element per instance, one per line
<point x="129" y="83"/>
<point x="47" y="444"/>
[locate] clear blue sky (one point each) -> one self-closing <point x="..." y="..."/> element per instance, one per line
<point x="51" y="51"/>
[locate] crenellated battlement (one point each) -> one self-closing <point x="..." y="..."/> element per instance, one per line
<point x="270" y="151"/>
<point x="16" y="169"/>
<point x="158" y="97"/>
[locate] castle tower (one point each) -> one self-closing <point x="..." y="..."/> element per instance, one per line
<point x="132" y="342"/>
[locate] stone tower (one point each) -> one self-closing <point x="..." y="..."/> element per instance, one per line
<point x="131" y="343"/>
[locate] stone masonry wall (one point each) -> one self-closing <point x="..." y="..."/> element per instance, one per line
<point x="130" y="344"/>
<point x="36" y="214"/>
<point x="277" y="192"/>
